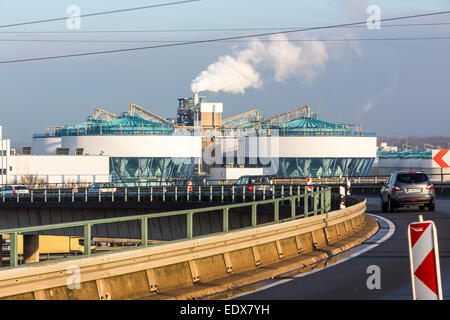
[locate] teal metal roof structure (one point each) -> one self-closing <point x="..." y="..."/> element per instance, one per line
<point x="126" y="125"/>
<point x="405" y="154"/>
<point x="314" y="126"/>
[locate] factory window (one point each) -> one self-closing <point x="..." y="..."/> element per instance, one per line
<point x="134" y="171"/>
<point x="323" y="167"/>
<point x="79" y="151"/>
<point x="62" y="151"/>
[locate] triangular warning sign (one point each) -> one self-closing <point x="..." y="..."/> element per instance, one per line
<point x="426" y="272"/>
<point x="416" y="230"/>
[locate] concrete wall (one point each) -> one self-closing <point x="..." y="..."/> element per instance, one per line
<point x="210" y="260"/>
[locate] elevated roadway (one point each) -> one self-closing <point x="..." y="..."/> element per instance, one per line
<point x="347" y="280"/>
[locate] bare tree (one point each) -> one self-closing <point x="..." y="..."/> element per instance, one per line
<point x="31" y="181"/>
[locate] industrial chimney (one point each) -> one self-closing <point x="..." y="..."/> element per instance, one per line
<point x="195" y="98"/>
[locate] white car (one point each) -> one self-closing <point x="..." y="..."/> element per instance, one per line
<point x="13" y="190"/>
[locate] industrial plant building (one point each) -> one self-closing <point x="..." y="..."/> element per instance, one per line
<point x="139" y="147"/>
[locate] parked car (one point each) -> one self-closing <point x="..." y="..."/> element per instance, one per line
<point x="102" y="188"/>
<point x="407" y="189"/>
<point x="257" y="183"/>
<point x="13" y="190"/>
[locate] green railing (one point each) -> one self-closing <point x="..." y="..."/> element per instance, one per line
<point x="319" y="198"/>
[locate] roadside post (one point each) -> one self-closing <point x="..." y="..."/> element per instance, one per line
<point x="309" y="184"/>
<point x="341" y="197"/>
<point x="424" y="260"/>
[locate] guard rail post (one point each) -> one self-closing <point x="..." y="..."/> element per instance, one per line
<point x="87" y="239"/>
<point x="225" y="224"/>
<point x="13" y="249"/>
<point x="316" y="202"/>
<point x="254" y="215"/>
<point x="293" y="208"/>
<point x="305" y="204"/>
<point x="190" y="225"/>
<point x="328" y="200"/>
<point x="276" y="210"/>
<point x="322" y="200"/>
<point x="144" y="231"/>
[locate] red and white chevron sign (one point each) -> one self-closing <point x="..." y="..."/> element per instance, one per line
<point x="424" y="261"/>
<point x="309" y="184"/>
<point x="442" y="158"/>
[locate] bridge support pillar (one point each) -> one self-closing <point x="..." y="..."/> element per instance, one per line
<point x="30" y="248"/>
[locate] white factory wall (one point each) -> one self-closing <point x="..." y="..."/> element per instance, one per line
<point x="45" y="145"/>
<point x="135" y="146"/>
<point x="384" y="167"/>
<point x="232" y="173"/>
<point x="60" y="169"/>
<point x="5" y="146"/>
<point x="303" y="147"/>
<point x="328" y="147"/>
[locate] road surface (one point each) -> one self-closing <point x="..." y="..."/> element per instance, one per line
<point x="348" y="280"/>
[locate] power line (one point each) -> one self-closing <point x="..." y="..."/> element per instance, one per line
<point x="211" y="30"/>
<point x="98" y="13"/>
<point x="246" y="40"/>
<point x="215" y="39"/>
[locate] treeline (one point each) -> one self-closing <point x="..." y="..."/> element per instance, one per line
<point x="417" y="142"/>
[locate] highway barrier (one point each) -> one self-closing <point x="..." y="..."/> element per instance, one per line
<point x="152" y="271"/>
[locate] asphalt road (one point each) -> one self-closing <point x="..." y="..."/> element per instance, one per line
<point x="348" y="280"/>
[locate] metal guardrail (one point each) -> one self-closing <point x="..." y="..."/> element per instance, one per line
<point x="320" y="198"/>
<point x="200" y="193"/>
<point x="204" y="181"/>
<point x="435" y="177"/>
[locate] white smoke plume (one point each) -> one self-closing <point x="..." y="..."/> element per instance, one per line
<point x="236" y="73"/>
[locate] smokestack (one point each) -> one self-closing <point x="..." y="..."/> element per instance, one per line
<point x="195" y="98"/>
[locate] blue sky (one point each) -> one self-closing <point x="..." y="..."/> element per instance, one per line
<point x="395" y="88"/>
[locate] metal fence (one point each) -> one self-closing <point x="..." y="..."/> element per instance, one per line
<point x="317" y="201"/>
<point x="202" y="193"/>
